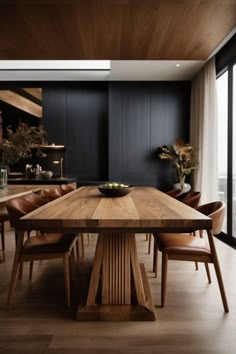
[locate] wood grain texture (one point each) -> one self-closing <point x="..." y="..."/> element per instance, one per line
<point x="144" y="209"/>
<point x="21" y="102"/>
<point x="16" y="191"/>
<point x="192" y="321"/>
<point x="116" y="220"/>
<point x="114" y="29"/>
<point x="123" y="297"/>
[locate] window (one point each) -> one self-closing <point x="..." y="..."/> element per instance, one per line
<point x="234" y="153"/>
<point x="222" y="99"/>
<point x="226" y="155"/>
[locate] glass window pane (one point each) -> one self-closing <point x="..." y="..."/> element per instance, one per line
<point x="222" y="99"/>
<point x="234" y="151"/>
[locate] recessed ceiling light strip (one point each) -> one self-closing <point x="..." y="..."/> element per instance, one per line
<point x="81" y="65"/>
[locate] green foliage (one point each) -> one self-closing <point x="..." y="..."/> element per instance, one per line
<point x="18" y="143"/>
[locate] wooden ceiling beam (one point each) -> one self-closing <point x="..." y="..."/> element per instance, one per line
<point x="35" y="92"/>
<point x="21" y="102"/>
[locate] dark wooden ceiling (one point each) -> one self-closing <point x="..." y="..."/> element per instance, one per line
<point x="114" y="29"/>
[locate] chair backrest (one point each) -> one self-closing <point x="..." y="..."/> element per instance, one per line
<point x="18" y="207"/>
<point x="215" y="211"/>
<point x="51" y="193"/>
<point x="192" y="199"/>
<point x="66" y="188"/>
<point x="175" y="193"/>
<point x="35" y="199"/>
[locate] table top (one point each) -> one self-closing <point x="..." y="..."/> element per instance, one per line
<point x="16" y="191"/>
<point x="144" y="209"/>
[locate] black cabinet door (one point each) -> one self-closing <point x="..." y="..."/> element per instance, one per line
<point x="54" y="114"/>
<point x="86" y="134"/>
<point x="143" y="116"/>
<point x="129" y="133"/>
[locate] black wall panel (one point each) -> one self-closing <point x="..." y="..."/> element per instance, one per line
<point x="114" y="137"/>
<point x="143" y="116"/>
<point x="54" y="114"/>
<point x="76" y="115"/>
<point x="170" y="113"/>
<point x="87" y="124"/>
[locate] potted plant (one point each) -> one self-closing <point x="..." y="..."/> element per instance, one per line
<point x="17" y="145"/>
<point x="182" y="156"/>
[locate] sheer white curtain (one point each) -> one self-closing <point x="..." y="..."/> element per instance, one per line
<point x="203" y="131"/>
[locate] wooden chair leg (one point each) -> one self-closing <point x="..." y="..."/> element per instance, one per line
<point x="16" y="238"/>
<point x="3" y="236"/>
<point x="155" y="257"/>
<point x="67" y="279"/>
<point x="164" y="278"/>
<point x="77" y="251"/>
<point x="20" y="271"/>
<point x="72" y="264"/>
<point x="149" y="243"/>
<point x="15" y="269"/>
<point x="82" y="244"/>
<point x="218" y="271"/>
<point x="31" y="270"/>
<point x="147" y="237"/>
<point x="196" y="265"/>
<point x="208" y="273"/>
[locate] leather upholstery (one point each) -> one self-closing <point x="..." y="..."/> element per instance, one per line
<point x="49" y="243"/>
<point x="192" y="199"/>
<point x="66" y="188"/>
<point x="183" y="244"/>
<point x="51" y="193"/>
<point x="18" y="207"/>
<point x="36" y="199"/>
<point x="175" y="193"/>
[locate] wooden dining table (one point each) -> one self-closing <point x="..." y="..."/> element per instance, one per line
<point x="119" y="288"/>
<point x="14" y="191"/>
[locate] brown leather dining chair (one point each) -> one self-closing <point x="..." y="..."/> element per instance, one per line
<point x="184" y="247"/>
<point x="41" y="247"/>
<point x="51" y="193"/>
<point x="192" y="199"/>
<point x="66" y="188"/>
<point x="174" y="193"/>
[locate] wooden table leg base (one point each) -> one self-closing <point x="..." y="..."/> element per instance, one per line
<point x="121" y="312"/>
<point x="114" y="313"/>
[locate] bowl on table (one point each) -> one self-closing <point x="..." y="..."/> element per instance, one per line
<point x="115" y="189"/>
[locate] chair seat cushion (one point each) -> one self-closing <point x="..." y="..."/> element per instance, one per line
<point x="183" y="243"/>
<point x="49" y="243"/>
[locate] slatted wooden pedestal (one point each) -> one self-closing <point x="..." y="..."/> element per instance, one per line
<point x="124" y="290"/>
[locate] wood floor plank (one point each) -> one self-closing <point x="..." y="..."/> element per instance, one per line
<point x="192" y="321"/>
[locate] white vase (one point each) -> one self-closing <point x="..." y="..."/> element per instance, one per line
<point x="186" y="187"/>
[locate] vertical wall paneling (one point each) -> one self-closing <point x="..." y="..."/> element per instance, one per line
<point x="143" y="116"/>
<point x="170" y="110"/>
<point x="129" y="133"/>
<point x="114" y="137"/>
<point x="54" y="114"/>
<point x="87" y="124"/>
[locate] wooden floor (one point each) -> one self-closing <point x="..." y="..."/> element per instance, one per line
<point x="193" y="320"/>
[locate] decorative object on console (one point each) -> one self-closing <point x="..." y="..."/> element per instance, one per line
<point x="183" y="157"/>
